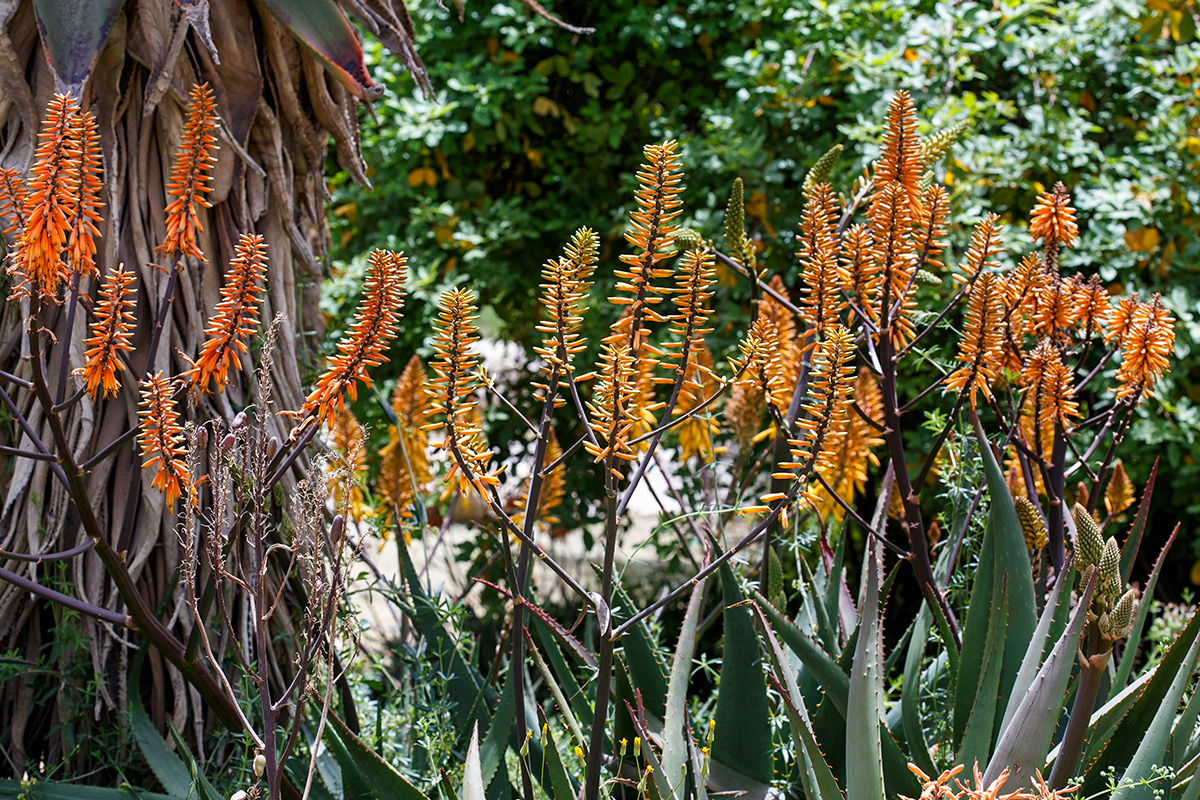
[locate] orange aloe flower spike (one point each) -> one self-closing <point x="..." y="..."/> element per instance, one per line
<point x="1146" y="348"/>
<point x="12" y="200"/>
<point x="981" y="253"/>
<point x="161" y="437"/>
<point x="900" y="160"/>
<point x="236" y="317"/>
<point x="979" y="349"/>
<point x="1052" y="221"/>
<point x="651" y="231"/>
<point x="111" y="333"/>
<point x="190" y="176"/>
<point x="821" y="299"/>
<point x="52" y="193"/>
<point x="85" y="167"/>
<point x="363" y="346"/>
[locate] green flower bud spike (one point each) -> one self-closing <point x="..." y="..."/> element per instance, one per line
<point x="1123" y="611"/>
<point x="689" y="239"/>
<point x="1110" y="571"/>
<point x="1032" y="525"/>
<point x="1089" y="545"/>
<point x="821" y="170"/>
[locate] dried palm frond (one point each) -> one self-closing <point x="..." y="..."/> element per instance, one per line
<point x="364" y="344"/>
<point x="190" y="176"/>
<point x="235" y="319"/>
<point x="110" y="334"/>
<point x="979" y="348"/>
<point x="161" y="437"/>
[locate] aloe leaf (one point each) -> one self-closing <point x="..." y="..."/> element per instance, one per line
<point x="1157" y="735"/>
<point x="560" y="780"/>
<point x="1027" y="735"/>
<point x="910" y="694"/>
<point x="1002" y="562"/>
<point x="565" y="706"/>
<point x="646" y="669"/>
<point x="1120" y="748"/>
<point x="321" y="27"/>
<point x="1125" y="668"/>
<point x="1185" y="730"/>
<point x="355" y="757"/>
<point x="816" y="776"/>
<point x="53" y="790"/>
<point x="463" y="684"/>
<point x="1134" y="541"/>
<point x="742" y="739"/>
<point x="826" y="626"/>
<point x="977" y="737"/>
<point x="675" y="722"/>
<point x="821" y="664"/>
<point x="864" y="704"/>
<point x="178" y="775"/>
<point x="73" y="34"/>
<point x="499" y="731"/>
<point x="1032" y="663"/>
<point x="472" y="785"/>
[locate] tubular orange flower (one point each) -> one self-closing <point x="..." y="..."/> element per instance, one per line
<point x="1145" y="350"/>
<point x="408" y="443"/>
<point x="565" y="282"/>
<point x="744" y="411"/>
<point x="161" y="437"/>
<point x="1091" y="299"/>
<point x="782" y="333"/>
<point x="554" y="489"/>
<point x="236" y="316"/>
<point x="348" y="439"/>
<point x="821" y="301"/>
<point x="363" y="345"/>
<point x="981" y="253"/>
<point x="110" y="334"/>
<point x="694" y="279"/>
<point x="614" y="410"/>
<point x="1020" y="289"/>
<point x="650" y="230"/>
<point x="890" y="289"/>
<point x="1047" y="394"/>
<point x="1120" y="323"/>
<point x="84" y="174"/>
<point x="52" y="194"/>
<point x="900" y="160"/>
<point x="451" y="393"/>
<point x="931" y="224"/>
<point x="1118" y="495"/>
<point x="1057" y="310"/>
<point x="190" y="176"/>
<point x="979" y="349"/>
<point x="855" y="455"/>
<point x="1053" y="222"/>
<point x="822" y="424"/>
<point x="700" y="382"/>
<point x="12" y="200"/>
<point x="858" y="269"/>
<point x="759" y="363"/>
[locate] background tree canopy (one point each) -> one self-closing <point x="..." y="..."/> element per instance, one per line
<point x="533" y="131"/>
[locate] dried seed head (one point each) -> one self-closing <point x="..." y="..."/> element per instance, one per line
<point x="1032" y="525"/>
<point x="272" y="447"/>
<point x="260" y="765"/>
<point x="1089" y="545"/>
<point x="337" y="529"/>
<point x="239" y="421"/>
<point x="227" y="443"/>
<point x="201" y="438"/>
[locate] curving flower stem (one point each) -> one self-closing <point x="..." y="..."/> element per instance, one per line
<point x="608" y="637"/>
